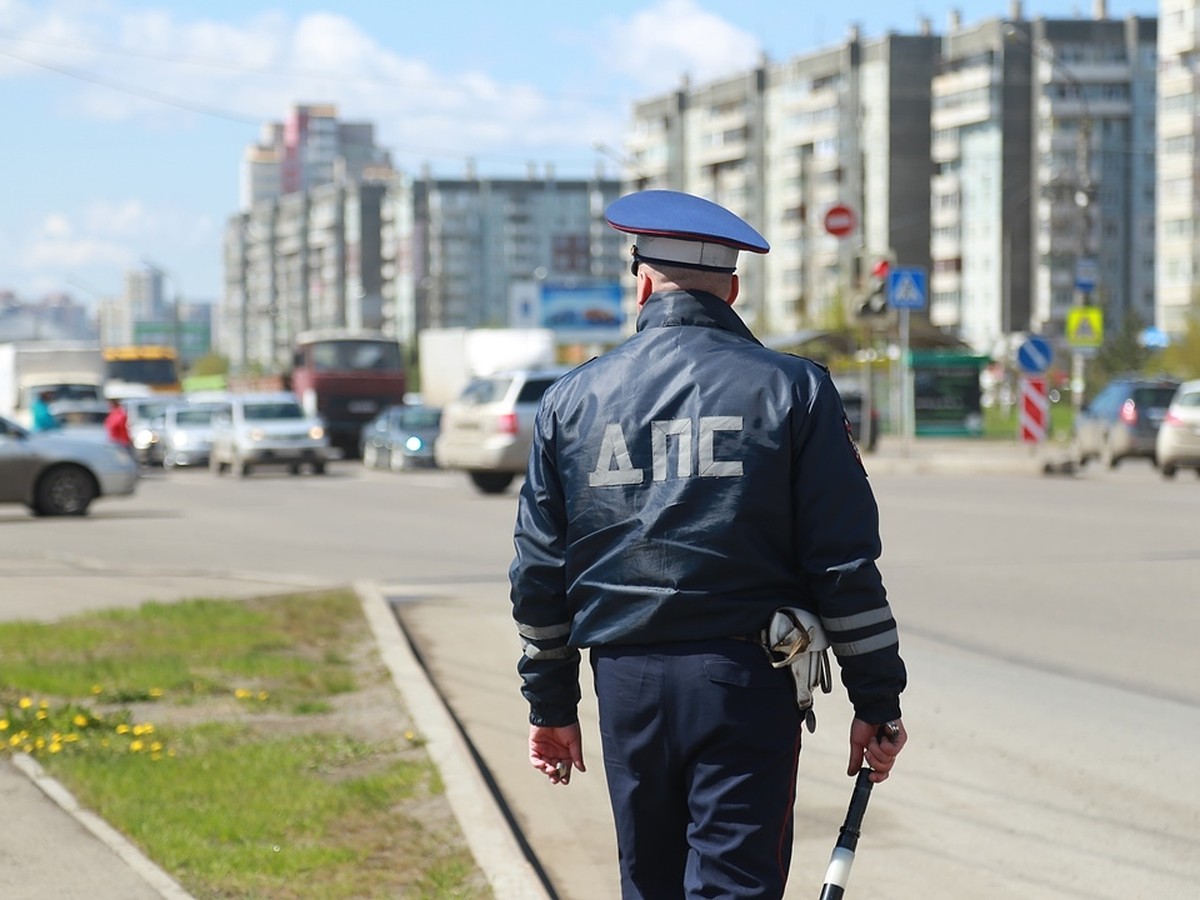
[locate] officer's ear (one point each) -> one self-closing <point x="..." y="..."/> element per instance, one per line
<point x="645" y="286"/>
<point x="733" y="290"/>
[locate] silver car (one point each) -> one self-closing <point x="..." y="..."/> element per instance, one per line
<point x="270" y="429"/>
<point x="488" y="430"/>
<point x="1178" y="442"/>
<point x="186" y="433"/>
<point x="55" y="475"/>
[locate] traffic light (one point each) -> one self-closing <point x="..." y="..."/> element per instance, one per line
<point x="875" y="301"/>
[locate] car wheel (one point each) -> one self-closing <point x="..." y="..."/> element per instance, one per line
<point x="240" y="467"/>
<point x="215" y="465"/>
<point x="396" y="461"/>
<point x="65" y="491"/>
<point x="294" y="469"/>
<point x="370" y="456"/>
<point x="318" y="468"/>
<point x="492" y="482"/>
<point x="1168" y="471"/>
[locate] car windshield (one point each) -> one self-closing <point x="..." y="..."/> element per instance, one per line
<point x="485" y="390"/>
<point x="1156" y="397"/>
<point x="264" y="412"/>
<point x="1189" y="398"/>
<point x="420" y="418"/>
<point x="199" y="416"/>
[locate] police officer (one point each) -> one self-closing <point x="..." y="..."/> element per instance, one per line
<point x="681" y="488"/>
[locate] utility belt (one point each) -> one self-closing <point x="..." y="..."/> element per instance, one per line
<point x="794" y="639"/>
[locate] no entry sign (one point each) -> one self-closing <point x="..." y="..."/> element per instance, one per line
<point x="840" y="220"/>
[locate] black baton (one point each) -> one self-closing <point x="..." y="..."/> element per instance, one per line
<point x="838" y="871"/>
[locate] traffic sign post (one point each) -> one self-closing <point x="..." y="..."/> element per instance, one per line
<point x="1035" y="355"/>
<point x="906" y="291"/>
<point x="840" y="220"/>
<point x="1035" y="407"/>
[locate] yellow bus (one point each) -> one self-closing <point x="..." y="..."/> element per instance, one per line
<point x="154" y="366"/>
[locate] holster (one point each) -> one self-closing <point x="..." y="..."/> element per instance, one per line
<point x="794" y="638"/>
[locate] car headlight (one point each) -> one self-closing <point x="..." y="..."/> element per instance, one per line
<point x="413" y="444"/>
<point x="316" y="432"/>
<point x="256" y="434"/>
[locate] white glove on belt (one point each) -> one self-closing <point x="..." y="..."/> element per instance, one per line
<point x="794" y="638"/>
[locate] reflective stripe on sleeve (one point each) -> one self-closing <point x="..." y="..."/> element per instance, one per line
<point x="544" y="632"/>
<point x="858" y="620"/>
<point x="866" y="645"/>
<point x="533" y="651"/>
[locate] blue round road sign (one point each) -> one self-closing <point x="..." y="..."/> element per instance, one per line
<point x="1035" y="355"/>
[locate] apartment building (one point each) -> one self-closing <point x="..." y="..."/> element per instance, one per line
<point x="1011" y="158"/>
<point x="1177" y="224"/>
<point x="464" y="244"/>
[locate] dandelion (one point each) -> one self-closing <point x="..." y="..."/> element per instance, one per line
<point x="123" y="729"/>
<point x="71" y="738"/>
<point x="14" y="740"/>
<point x="242" y="694"/>
<point x="136" y="746"/>
<point x="43" y="704"/>
<point x="409" y="735"/>
<point x="80" y="720"/>
<point x="262" y="695"/>
<point x="42" y="715"/>
<point x="25" y="703"/>
<point x="156" y="692"/>
<point x="55" y="748"/>
<point x="97" y="689"/>
<point x="3" y="724"/>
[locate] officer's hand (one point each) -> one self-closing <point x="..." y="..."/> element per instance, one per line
<point x="873" y="744"/>
<point x="553" y="751"/>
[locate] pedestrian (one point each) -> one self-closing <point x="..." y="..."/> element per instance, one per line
<point x="41" y="418"/>
<point x="116" y="425"/>
<point x="682" y="488"/>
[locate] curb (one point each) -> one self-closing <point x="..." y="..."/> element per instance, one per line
<point x="107" y="835"/>
<point x="487" y="831"/>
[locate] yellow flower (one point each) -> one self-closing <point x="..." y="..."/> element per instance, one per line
<point x="3" y="724"/>
<point x="156" y="692"/>
<point x="42" y="715"/>
<point x="71" y="738"/>
<point x="144" y="728"/>
<point x="156" y="747"/>
<point x="241" y="693"/>
<point x="40" y="743"/>
<point x="80" y="720"/>
<point x="136" y="746"/>
<point x="97" y="689"/>
<point x="42" y="704"/>
<point x="28" y="748"/>
<point x="122" y="728"/>
<point x="14" y="740"/>
<point x="25" y="703"/>
<point x="55" y="748"/>
<point x="262" y="695"/>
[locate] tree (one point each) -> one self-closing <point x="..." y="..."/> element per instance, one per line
<point x="1122" y="352"/>
<point x="1182" y="357"/>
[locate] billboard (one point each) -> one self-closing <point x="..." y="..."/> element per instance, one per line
<point x="581" y="307"/>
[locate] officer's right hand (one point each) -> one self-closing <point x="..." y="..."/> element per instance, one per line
<point x="879" y="752"/>
<point x="553" y="751"/>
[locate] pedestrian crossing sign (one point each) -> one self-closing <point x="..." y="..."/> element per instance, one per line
<point x="1085" y="327"/>
<point x="906" y="287"/>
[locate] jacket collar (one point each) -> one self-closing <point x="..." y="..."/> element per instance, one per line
<point x="666" y="308"/>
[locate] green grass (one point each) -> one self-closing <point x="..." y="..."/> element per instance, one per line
<point x="221" y="738"/>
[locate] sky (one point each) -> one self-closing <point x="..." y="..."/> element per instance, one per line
<point x="124" y="121"/>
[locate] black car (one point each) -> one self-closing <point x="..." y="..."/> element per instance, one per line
<point x="400" y="437"/>
<point x="1122" y="421"/>
<point x="854" y="402"/>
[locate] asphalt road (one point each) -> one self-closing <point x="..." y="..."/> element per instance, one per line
<point x="1048" y="623"/>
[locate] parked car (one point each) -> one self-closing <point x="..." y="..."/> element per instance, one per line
<point x="852" y="403"/>
<point x="488" y="430"/>
<point x="1178" y="443"/>
<point x="82" y="419"/>
<point x="269" y="429"/>
<point x="1122" y="420"/>
<point x="186" y="433"/>
<point x="400" y="437"/>
<point x="56" y="475"/>
<point x="145" y="418"/>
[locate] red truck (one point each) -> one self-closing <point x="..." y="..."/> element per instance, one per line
<point x="346" y="378"/>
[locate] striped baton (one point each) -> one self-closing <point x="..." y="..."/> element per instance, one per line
<point x="838" y="872"/>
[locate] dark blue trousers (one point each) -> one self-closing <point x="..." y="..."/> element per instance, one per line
<point x="701" y="742"/>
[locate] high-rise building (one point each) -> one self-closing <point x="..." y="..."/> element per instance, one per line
<point x="309" y="148"/>
<point x="1177" y="224"/>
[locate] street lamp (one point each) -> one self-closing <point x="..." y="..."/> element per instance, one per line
<point x="1084" y="193"/>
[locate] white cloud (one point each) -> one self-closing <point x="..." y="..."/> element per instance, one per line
<point x="673" y="38"/>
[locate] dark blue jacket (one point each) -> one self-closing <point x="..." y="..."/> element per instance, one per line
<point x="685" y="485"/>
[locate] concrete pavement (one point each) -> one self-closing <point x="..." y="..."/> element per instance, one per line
<point x="50" y="847"/>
